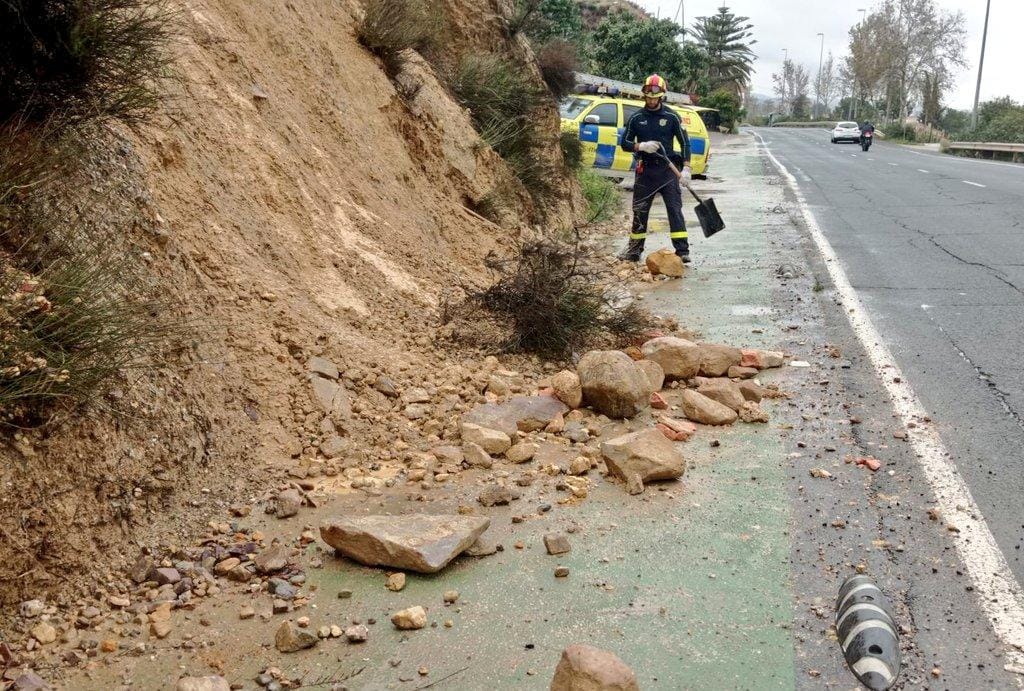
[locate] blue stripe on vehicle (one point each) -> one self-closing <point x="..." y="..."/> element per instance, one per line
<point x="588" y="133"/>
<point x="605" y="156"/>
<point x="697" y="146"/>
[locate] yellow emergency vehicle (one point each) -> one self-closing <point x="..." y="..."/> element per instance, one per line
<point x="601" y="120"/>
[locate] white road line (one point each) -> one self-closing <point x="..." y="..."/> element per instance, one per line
<point x="922" y="170"/>
<point x="976" y="184"/>
<point x="961" y="159"/>
<point x="999" y="594"/>
<point x="894" y="164"/>
<point x="870" y="159"/>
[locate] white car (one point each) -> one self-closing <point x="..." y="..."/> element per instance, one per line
<point x="846" y="132"/>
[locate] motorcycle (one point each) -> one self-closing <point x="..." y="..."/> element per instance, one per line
<point x="865" y="140"/>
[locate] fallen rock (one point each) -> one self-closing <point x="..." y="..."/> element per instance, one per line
<point x="642" y="457"/>
<point x="395" y="582"/>
<point x="557" y="543"/>
<point x="664" y="262"/>
<point x="684" y="428"/>
<point x="448" y="454"/>
<point x="579" y="466"/>
<point x="751" y="391"/>
<point x="290" y="638"/>
<point x="323" y="367"/>
<point x="519" y="413"/>
<point x="33" y="608"/>
<point x="357" y="634"/>
<point x="211" y="683"/>
<point x="332" y="398"/>
<point x="568" y="388"/>
<point x="725" y="391"/>
<point x="475" y="456"/>
<point x="658" y="402"/>
<point x="584" y="668"/>
<point x="27" y="681"/>
<point x="716" y="359"/>
<point x="410" y="619"/>
<point x="679" y="358"/>
<point x="521" y="452"/>
<point x="761" y="359"/>
<point x="287" y="503"/>
<point x="272" y="559"/>
<point x="737" y="372"/>
<point x="752" y="412"/>
<point x="700" y="408"/>
<point x="494" y="442"/>
<point x="484" y="547"/>
<point x="414" y="542"/>
<point x="450" y="597"/>
<point x="612" y="383"/>
<point x="654" y="373"/>
<point x="497" y="495"/>
<point x="44" y="632"/>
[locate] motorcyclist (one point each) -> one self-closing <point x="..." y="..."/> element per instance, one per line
<point x="866" y="127"/>
<point x="651" y="133"/>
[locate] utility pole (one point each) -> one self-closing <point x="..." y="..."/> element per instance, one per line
<point x="981" y="65"/>
<point x="821" y="56"/>
<point x="853" y="88"/>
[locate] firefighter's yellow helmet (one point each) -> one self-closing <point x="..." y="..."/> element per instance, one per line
<point x="655" y="86"/>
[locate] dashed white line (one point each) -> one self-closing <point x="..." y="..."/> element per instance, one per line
<point x="894" y="164"/>
<point x="976" y="184"/>
<point x="922" y="170"/>
<point x="999" y="594"/>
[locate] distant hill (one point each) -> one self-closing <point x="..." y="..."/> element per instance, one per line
<point x="594" y="11"/>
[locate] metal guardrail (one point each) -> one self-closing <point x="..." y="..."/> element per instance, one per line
<point x="986" y="146"/>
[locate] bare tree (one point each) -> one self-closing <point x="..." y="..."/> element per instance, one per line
<point x="791" y="86"/>
<point x="827" y="85"/>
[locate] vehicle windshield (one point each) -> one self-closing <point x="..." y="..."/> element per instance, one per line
<point x="847" y="125"/>
<point x="571" y="107"/>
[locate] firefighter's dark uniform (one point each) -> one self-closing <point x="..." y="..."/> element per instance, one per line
<point x="653" y="175"/>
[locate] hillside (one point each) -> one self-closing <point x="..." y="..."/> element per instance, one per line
<point x="291" y="204"/>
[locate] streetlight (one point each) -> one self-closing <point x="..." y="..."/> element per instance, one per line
<point x="981" y="64"/>
<point x="821" y="56"/>
<point x="863" y="14"/>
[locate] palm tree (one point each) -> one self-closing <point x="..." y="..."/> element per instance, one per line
<point x="727" y="40"/>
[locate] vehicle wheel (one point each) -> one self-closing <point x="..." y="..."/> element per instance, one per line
<point x="833" y="140"/>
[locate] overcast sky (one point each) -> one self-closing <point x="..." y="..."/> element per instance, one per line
<point x="794" y="24"/>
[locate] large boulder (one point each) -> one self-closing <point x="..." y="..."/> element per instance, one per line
<point x="612" y="383"/>
<point x="715" y="359"/>
<point x="699" y="408"/>
<point x="519" y="413"/>
<point x="725" y="391"/>
<point x="654" y="373"/>
<point x="567" y="388"/>
<point x="642" y="457"/>
<point x="585" y="668"/>
<point x="679" y="358"/>
<point x="414" y="542"/>
<point x="665" y="262"/>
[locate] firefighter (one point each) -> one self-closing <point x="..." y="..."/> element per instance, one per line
<point x="650" y="134"/>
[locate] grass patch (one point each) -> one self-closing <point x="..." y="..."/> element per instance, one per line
<point x="72" y="62"/>
<point x="393" y="26"/>
<point x="550" y="298"/>
<point x="602" y="198"/>
<point x="501" y="98"/>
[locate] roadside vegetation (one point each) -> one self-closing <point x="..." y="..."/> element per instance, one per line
<point x="75" y="305"/>
<point x="390" y="28"/>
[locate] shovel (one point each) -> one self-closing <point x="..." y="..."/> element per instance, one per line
<point x="707" y="213"/>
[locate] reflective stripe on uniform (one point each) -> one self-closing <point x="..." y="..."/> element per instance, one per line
<point x="638" y="236"/>
<point x="679" y="235"/>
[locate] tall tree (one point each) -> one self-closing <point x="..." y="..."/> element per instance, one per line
<point x="726" y="39"/>
<point x="792" y="86"/>
<point x="827" y="85"/>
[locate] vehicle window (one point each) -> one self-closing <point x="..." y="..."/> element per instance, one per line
<point x="848" y="125"/>
<point x="609" y="114"/>
<point x="572" y="106"/>
<point x="628" y="112"/>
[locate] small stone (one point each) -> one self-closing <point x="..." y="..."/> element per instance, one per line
<point x="561" y="571"/>
<point x="476" y="456"/>
<point x="32" y="608"/>
<point x="247" y="612"/>
<point x="585" y="667"/>
<point x="118" y="602"/>
<point x="323" y="632"/>
<point x="568" y="390"/>
<point x="336" y="631"/>
<point x="410" y="619"/>
<point x="211" y="683"/>
<point x="357" y="634"/>
<point x="344" y="594"/>
<point x="579" y="466"/>
<point x="658" y="402"/>
<point x="165" y="576"/>
<point x="494" y="442"/>
<point x="290" y="638"/>
<point x="303" y="622"/>
<point x="109" y="645"/>
<point x="287" y="503"/>
<point x="451" y="597"/>
<point x="223" y="567"/>
<point x="160" y="629"/>
<point x="820" y="473"/>
<point x="521" y="452"/>
<point x="395" y="582"/>
<point x="44" y="633"/>
<point x="497" y="495"/>
<point x="557" y="543"/>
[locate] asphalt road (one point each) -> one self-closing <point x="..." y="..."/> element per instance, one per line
<point x="934" y="246"/>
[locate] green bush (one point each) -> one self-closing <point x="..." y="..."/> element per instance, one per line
<point x="1007" y="127"/>
<point x="393" y="26"/>
<point x="572" y="149"/>
<point x="70" y="62"/>
<point x="602" y="197"/>
<point x="728" y="105"/>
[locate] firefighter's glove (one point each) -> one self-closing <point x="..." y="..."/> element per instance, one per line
<point x="685" y="176"/>
<point x="648" y="147"/>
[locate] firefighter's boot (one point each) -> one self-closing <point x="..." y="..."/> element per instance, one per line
<point x="632" y="252"/>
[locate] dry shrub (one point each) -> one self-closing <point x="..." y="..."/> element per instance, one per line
<point x="525" y="16"/>
<point x="558" y="62"/>
<point x="572" y="149"/>
<point x="393" y="26"/>
<point x="551" y="298"/>
<point x="82" y="61"/>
